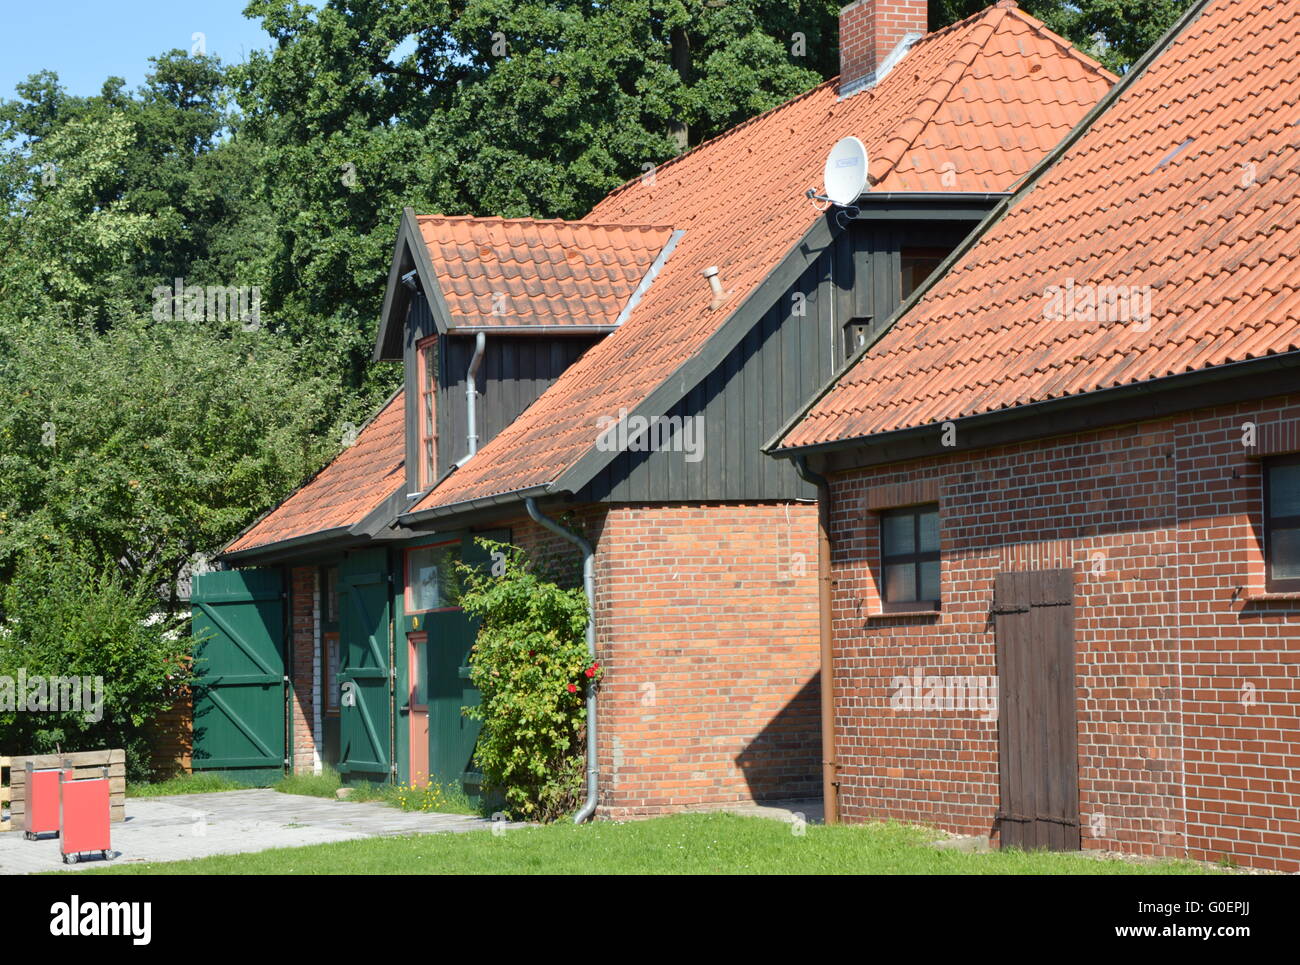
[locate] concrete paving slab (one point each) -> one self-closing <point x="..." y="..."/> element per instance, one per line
<point x="176" y="827"/>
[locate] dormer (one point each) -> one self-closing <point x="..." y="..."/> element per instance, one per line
<point x="486" y="313"/>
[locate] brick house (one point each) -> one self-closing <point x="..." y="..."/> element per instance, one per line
<point x="1063" y="486"/>
<point x="619" y="375"/>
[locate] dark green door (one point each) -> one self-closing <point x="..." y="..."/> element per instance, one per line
<point x="451" y="734"/>
<point x="365" y="680"/>
<point x="239" y="700"/>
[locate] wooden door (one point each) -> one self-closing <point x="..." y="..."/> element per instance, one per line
<point x="1038" y="753"/>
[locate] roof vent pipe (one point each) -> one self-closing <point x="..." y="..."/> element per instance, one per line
<point x="471" y="398"/>
<point x="715" y="285"/>
<point x="589" y="589"/>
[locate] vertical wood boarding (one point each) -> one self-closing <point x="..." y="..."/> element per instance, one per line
<point x="1038" y="772"/>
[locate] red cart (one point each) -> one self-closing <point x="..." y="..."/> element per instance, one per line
<point x="84" y="817"/>
<point x="41" y="801"/>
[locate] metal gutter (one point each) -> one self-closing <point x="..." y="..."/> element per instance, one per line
<point x="470" y="505"/>
<point x="589" y="588"/>
<point x="826" y="641"/>
<point x="471" y="398"/>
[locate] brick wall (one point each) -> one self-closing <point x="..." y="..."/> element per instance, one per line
<point x="707" y="632"/>
<point x="304" y="723"/>
<point x="1188" y="684"/>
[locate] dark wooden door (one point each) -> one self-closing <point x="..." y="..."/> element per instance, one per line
<point x="1038" y="751"/>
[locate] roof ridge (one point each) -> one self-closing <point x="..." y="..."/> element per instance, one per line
<point x="941" y="84"/>
<point x="498" y="219"/>
<point x="1047" y="33"/>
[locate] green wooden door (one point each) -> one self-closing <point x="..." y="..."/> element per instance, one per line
<point x="239" y="703"/>
<point x="451" y="734"/>
<point x="365" y="681"/>
<point x="450" y="635"/>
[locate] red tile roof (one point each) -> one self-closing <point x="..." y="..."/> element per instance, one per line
<point x="524" y="273"/>
<point x="1186" y="188"/>
<point x="969" y="109"/>
<point x="344" y="492"/>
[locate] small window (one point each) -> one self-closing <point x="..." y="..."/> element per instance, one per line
<point x="856" y="333"/>
<point x="330" y="643"/>
<point x="428" y="414"/>
<point x="917" y="264"/>
<point x="909" y="564"/>
<point x="431" y="577"/>
<point x="332" y="595"/>
<point x="1282" y="523"/>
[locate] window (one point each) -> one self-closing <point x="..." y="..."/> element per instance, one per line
<point x="428" y="423"/>
<point x="330" y="638"/>
<point x="332" y="594"/>
<point x="909" y="559"/>
<point x="917" y="264"/>
<point x="856" y="333"/>
<point x="431" y="577"/>
<point x="1282" y="523"/>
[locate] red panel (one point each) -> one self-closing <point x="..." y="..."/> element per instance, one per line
<point x="85" y="817"/>
<point x="42" y="801"/>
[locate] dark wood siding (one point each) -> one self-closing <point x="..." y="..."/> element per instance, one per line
<point x="514" y="372"/>
<point x="791" y="351"/>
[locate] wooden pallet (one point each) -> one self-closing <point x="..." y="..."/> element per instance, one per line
<point x="6" y="823"/>
<point x="84" y="764"/>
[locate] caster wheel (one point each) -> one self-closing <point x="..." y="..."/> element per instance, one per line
<point x="69" y="859"/>
<point x="107" y="855"/>
<point x="29" y="836"/>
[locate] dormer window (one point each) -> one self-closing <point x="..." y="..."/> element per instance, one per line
<point x="427" y="352"/>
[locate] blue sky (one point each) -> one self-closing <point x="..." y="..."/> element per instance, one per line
<point x="86" y="41"/>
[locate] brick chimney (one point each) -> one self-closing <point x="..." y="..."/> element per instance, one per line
<point x="871" y="32"/>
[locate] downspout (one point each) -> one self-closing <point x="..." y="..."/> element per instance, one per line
<point x="471" y="397"/>
<point x="589" y="588"/>
<point x="830" y="765"/>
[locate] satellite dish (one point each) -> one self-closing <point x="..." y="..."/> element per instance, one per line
<point x="846" y="171"/>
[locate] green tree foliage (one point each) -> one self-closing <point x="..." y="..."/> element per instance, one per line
<point x="70" y="615"/>
<point x="150" y="442"/>
<point x="530" y="664"/>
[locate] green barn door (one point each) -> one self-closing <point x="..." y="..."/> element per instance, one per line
<point x="451" y="633"/>
<point x="239" y="626"/>
<point x="365" y="700"/>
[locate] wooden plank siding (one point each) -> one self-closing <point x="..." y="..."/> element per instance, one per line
<point x="784" y="359"/>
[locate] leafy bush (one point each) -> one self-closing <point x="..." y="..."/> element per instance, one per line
<point x="531" y="666"/>
<point x="67" y="615"/>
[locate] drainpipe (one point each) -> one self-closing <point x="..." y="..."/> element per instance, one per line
<point x="830" y="765"/>
<point x="589" y="588"/>
<point x="471" y="397"/>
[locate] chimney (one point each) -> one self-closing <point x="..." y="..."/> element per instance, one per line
<point x="874" y="34"/>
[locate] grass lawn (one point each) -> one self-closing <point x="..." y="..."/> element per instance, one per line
<point x="685" y="844"/>
<point x="440" y="798"/>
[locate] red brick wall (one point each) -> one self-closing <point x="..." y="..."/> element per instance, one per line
<point x="1188" y="689"/>
<point x="707" y="632"/>
<point x="305" y="603"/>
<point x="869" y="32"/>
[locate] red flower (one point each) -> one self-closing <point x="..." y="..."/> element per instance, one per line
<point x="573" y="688"/>
<point x="591" y="671"/>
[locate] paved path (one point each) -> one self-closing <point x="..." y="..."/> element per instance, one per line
<point x="228" y="822"/>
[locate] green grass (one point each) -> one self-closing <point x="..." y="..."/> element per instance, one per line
<point x="685" y="844"/>
<point x="185" y="784"/>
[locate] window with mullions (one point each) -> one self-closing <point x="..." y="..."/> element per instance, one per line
<point x="909" y="557"/>
<point x="1282" y="523"/>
